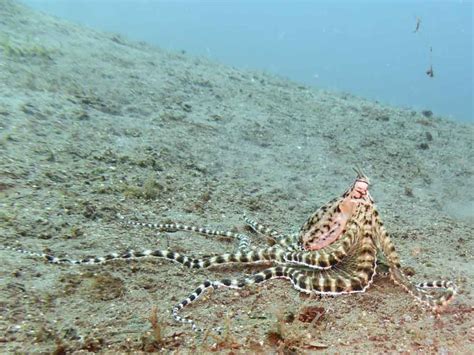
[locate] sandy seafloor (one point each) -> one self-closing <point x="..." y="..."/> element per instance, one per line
<point x="93" y="125"/>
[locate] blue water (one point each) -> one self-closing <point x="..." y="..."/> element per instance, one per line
<point x="366" y="48"/>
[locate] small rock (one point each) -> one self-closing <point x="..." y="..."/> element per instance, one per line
<point x="384" y="118"/>
<point x="427" y="113"/>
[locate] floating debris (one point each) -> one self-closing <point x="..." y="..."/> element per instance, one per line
<point x="418" y="24"/>
<point x="430" y="71"/>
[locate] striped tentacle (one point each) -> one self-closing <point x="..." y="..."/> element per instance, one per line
<point x="317" y="260"/>
<point x="357" y="271"/>
<point x="259" y="277"/>
<point x="383" y="240"/>
<point x="340" y="280"/>
<point x="244" y="242"/>
<point x="243" y="239"/>
<point x="289" y="242"/>
<point x="272" y="254"/>
<point x="56" y="260"/>
<point x="418" y="291"/>
<point x="193" y="263"/>
<point x="331" y="255"/>
<point x="354" y="274"/>
<point x="436" y="302"/>
<point x="321" y="260"/>
<point x="262" y="229"/>
<point x="440" y="301"/>
<point x="435" y="284"/>
<point x="188" y="300"/>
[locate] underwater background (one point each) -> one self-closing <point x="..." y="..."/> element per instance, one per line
<point x="178" y="128"/>
<point x="379" y="50"/>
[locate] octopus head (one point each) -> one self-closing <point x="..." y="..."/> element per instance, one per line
<point x="359" y="189"/>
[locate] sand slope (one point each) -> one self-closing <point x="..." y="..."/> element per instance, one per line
<point x="92" y="124"/>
